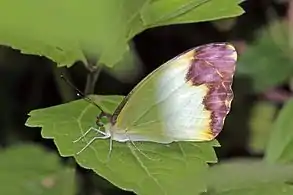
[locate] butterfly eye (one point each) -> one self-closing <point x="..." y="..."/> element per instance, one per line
<point x="102" y="120"/>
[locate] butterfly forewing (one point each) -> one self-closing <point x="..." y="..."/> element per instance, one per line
<point x="186" y="99"/>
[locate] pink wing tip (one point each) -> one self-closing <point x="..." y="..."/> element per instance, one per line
<point x="213" y="65"/>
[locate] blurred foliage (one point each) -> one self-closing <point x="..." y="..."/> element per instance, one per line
<point x="253" y="177"/>
<point x="260" y="124"/>
<point x="268" y="61"/>
<point x="29" y="169"/>
<point x="281" y="139"/>
<point x="129" y="68"/>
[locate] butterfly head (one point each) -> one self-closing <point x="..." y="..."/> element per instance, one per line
<point x="103" y="119"/>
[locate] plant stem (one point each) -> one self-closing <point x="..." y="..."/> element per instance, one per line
<point x="92" y="77"/>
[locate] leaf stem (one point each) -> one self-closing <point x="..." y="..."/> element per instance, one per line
<point x="92" y="78"/>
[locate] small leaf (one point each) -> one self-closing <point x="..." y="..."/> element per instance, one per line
<point x="167" y="169"/>
<point x="280" y="144"/>
<point x="253" y="177"/>
<point x="268" y="61"/>
<point x="21" y="173"/>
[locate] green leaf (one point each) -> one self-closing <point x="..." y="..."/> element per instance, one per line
<point x="167" y="169"/>
<point x="249" y="177"/>
<point x="280" y="145"/>
<point x="65" y="30"/>
<point x="22" y="173"/>
<point x="128" y="68"/>
<point x="260" y="124"/>
<point x="164" y="12"/>
<point x="267" y="62"/>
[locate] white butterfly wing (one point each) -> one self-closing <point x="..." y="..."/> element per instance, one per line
<point x="186" y="99"/>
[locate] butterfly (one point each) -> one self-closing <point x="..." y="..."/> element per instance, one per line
<point x="185" y="99"/>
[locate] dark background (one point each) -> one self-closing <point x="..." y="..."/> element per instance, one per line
<point x="28" y="82"/>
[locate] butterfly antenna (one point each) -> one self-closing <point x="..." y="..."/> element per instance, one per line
<point x="81" y="94"/>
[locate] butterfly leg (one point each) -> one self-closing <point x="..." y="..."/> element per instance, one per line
<point x="110" y="148"/>
<point x="144" y="154"/>
<point x="137" y="147"/>
<point x="89" y="130"/>
<point x="91" y="141"/>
